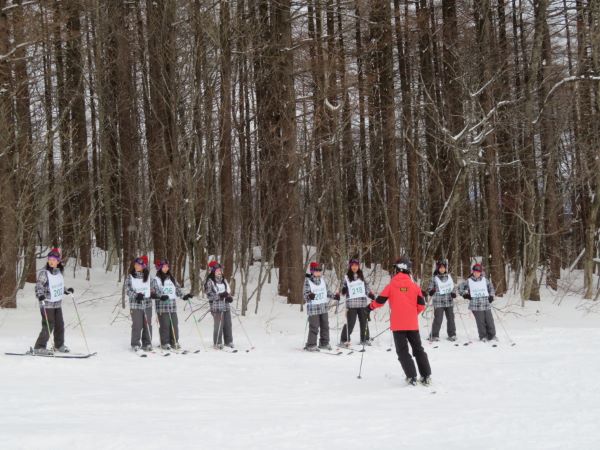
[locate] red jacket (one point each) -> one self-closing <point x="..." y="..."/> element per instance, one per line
<point x="406" y="302"/>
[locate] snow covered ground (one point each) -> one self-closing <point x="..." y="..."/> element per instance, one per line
<point x="540" y="394"/>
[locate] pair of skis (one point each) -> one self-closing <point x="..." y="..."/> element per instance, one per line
<point x="31" y="352"/>
<point x="144" y="354"/>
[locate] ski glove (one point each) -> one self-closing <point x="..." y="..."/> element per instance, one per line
<point x="69" y="291"/>
<point x="41" y="299"/>
<point x="453" y="295"/>
<point x="229" y="299"/>
<point x="491" y="298"/>
<point x="223" y="295"/>
<point x="344" y="291"/>
<point x="371" y="296"/>
<point x="164" y="298"/>
<point x="187" y="296"/>
<point x="466" y="296"/>
<point x="139" y="297"/>
<point x="336" y="297"/>
<point x="311" y="296"/>
<point x="431" y="292"/>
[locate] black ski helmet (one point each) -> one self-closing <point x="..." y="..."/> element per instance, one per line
<point x="403" y="265"/>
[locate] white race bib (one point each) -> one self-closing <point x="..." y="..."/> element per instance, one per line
<point x="222" y="287"/>
<point x="56" y="284"/>
<point x="444" y="287"/>
<point x="320" y="292"/>
<point x="138" y="285"/>
<point x="356" y="289"/>
<point x="168" y="288"/>
<point x="478" y="288"/>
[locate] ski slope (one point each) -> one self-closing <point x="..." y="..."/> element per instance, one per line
<point x="541" y="393"/>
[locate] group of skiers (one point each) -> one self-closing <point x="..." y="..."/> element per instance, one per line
<point x="165" y="290"/>
<point x="140" y="289"/>
<point x="405" y="297"/>
<point x="406" y="301"/>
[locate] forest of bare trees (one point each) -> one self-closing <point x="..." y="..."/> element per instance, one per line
<point x="369" y="128"/>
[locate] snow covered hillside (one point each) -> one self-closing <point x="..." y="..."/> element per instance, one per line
<point x="539" y="394"/>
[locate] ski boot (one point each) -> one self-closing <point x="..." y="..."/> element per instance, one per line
<point x="325" y="347"/>
<point x="311" y="348"/>
<point x="63" y="349"/>
<point x="165" y="347"/>
<point x="147" y="348"/>
<point x="176" y="346"/>
<point x="135" y="348"/>
<point x="218" y="346"/>
<point x="42" y="351"/>
<point x="425" y="381"/>
<point x="411" y="381"/>
<point x="230" y="345"/>
<point x="452" y="338"/>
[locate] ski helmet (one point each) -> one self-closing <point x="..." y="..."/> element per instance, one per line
<point x="403" y="265"/>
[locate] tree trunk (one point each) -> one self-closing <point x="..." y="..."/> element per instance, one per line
<point x="225" y="158"/>
<point x="75" y="90"/>
<point x="8" y="205"/>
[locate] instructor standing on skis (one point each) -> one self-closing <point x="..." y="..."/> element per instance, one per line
<point x="406" y="302"/>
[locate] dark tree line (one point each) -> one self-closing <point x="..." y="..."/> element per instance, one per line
<point x="191" y="128"/>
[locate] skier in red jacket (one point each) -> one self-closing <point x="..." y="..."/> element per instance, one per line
<point x="406" y="302"/>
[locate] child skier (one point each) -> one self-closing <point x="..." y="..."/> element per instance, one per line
<point x="442" y="290"/>
<point x="406" y="302"/>
<point x="357" y="293"/>
<point x="165" y="290"/>
<point x="219" y="296"/>
<point x="137" y="288"/>
<point x="480" y="292"/>
<point x="49" y="290"/>
<point x="316" y="297"/>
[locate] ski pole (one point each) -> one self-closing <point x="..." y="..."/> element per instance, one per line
<point x="366" y="333"/>
<point x="80" y="323"/>
<point x="219" y="332"/>
<point x="361" y="362"/>
<point x="173" y="331"/>
<point x="427" y="327"/>
<point x="198" y="327"/>
<point x="363" y="354"/>
<point x="347" y="326"/>
<point x="245" y="333"/>
<point x="512" y="343"/>
<point x="379" y="334"/>
<point x="305" y="332"/>
<point x="147" y="324"/>
<point x="337" y="319"/>
<point x="206" y="313"/>
<point x="47" y="323"/>
<point x="462" y="320"/>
